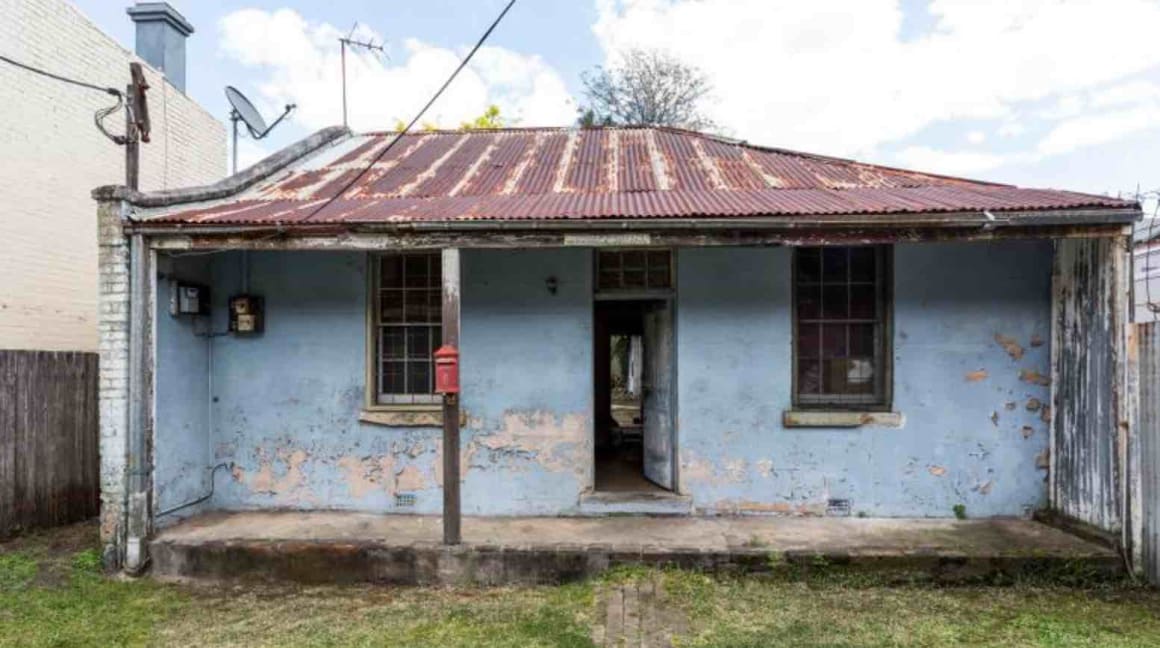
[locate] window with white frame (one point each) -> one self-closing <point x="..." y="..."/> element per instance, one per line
<point x="407" y="326"/>
<point x="842" y="342"/>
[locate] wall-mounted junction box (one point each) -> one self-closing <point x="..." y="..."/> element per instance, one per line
<point x="188" y="298"/>
<point x="247" y="315"/>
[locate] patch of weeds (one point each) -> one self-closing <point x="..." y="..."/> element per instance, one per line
<point x="87" y="563"/>
<point x="960" y="511"/>
<point x="17" y="570"/>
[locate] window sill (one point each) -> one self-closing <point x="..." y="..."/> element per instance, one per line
<point x="840" y="419"/>
<point x="407" y="416"/>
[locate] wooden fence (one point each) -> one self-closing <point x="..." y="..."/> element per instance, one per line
<point x="1148" y="345"/>
<point x="49" y="439"/>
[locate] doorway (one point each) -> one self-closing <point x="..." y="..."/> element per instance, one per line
<point x="634" y="385"/>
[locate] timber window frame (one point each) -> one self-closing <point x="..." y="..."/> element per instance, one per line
<point x="629" y="271"/>
<point x="404" y="327"/>
<point x="843" y="355"/>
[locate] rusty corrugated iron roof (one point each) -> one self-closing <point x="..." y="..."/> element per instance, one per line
<point x="599" y="173"/>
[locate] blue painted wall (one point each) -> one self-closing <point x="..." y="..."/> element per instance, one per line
<point x="287" y="403"/>
<point x="963" y="441"/>
<point x="183" y="444"/>
<point x="527" y="380"/>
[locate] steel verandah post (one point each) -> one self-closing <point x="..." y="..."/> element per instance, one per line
<point x="451" y="477"/>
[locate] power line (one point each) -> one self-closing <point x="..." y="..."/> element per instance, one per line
<point x="83" y="84"/>
<point x="426" y="107"/>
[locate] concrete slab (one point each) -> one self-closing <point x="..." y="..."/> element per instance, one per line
<point x="346" y="547"/>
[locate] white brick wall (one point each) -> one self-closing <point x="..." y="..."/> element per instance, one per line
<point x="113" y="384"/>
<point x="52" y="156"/>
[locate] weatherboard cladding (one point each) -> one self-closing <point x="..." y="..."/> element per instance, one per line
<point x="600" y="173"/>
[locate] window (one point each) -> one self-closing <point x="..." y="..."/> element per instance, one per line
<point x="841" y="310"/>
<point x="626" y="270"/>
<point x="407" y="327"/>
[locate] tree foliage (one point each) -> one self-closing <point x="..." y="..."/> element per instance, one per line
<point x="489" y="119"/>
<point x="647" y="87"/>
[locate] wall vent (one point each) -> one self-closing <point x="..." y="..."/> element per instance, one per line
<point x="838" y="508"/>
<point x="404" y="500"/>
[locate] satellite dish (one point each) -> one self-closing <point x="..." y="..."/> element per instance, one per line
<point x="246" y="112"/>
<point x="243" y="110"/>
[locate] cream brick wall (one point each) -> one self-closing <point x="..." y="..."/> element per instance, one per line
<point x="52" y="156"/>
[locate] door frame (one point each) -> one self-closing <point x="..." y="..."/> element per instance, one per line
<point x="667" y="295"/>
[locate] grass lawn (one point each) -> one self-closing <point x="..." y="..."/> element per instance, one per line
<point x="52" y="594"/>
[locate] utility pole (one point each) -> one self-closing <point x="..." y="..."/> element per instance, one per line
<point x="344" y="43"/>
<point x="136" y="123"/>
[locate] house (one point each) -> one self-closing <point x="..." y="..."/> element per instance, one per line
<point x="821" y="337"/>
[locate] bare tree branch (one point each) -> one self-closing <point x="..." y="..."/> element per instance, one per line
<point x="647" y="88"/>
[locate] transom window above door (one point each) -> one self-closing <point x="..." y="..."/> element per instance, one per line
<point x="842" y="334"/>
<point x="633" y="270"/>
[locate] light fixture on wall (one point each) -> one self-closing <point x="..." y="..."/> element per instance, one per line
<point x="553" y="284"/>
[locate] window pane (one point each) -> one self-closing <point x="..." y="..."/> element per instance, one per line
<point x="834" y="302"/>
<point x="834" y="264"/>
<point x="391" y="273"/>
<point x="418" y="342"/>
<point x="809" y="338"/>
<point x="834" y="341"/>
<point x="609" y="261"/>
<point x="418" y="306"/>
<point x="862" y="262"/>
<point x="834" y="378"/>
<point x="809" y="302"/>
<point x="393" y="379"/>
<point x="863" y="302"/>
<point x="391" y="305"/>
<point x="809" y="376"/>
<point x="634" y="278"/>
<point x="419" y="378"/>
<point x="392" y="343"/>
<point x="860" y="376"/>
<point x="658" y="269"/>
<point x="415" y="269"/>
<point x="809" y="264"/>
<point x="862" y="340"/>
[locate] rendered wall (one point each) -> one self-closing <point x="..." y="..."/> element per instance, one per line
<point x="54" y="157"/>
<point x="287" y="403"/>
<point x="970" y="332"/>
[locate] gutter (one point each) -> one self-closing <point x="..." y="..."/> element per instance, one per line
<point x="1036" y="218"/>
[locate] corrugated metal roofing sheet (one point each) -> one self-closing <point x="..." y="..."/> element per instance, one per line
<point x="549" y="174"/>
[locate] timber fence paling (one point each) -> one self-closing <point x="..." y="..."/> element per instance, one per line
<point x="1148" y="341"/>
<point x="49" y="439"/>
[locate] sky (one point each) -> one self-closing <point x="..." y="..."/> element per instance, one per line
<point x="1042" y="93"/>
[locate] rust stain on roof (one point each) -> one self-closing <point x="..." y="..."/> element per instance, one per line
<point x="546" y="174"/>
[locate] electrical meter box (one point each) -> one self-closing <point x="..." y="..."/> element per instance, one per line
<point x="188" y="299"/>
<point x="246" y="315"/>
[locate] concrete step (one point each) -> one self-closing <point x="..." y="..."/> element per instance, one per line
<point x="635" y="503"/>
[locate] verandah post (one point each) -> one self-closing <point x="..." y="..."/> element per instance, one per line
<point x="451" y="508"/>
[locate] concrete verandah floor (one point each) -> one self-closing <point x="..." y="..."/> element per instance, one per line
<point x="344" y="547"/>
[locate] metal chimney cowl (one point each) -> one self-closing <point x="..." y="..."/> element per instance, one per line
<point x="161" y="34"/>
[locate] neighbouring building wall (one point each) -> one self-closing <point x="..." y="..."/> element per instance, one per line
<point x="971" y="323"/>
<point x="286" y="405"/>
<point x="54" y="156"/>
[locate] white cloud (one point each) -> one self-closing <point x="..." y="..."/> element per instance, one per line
<point x="935" y="160"/>
<point x="976" y="137"/>
<point x="836" y="76"/>
<point x="301" y="63"/>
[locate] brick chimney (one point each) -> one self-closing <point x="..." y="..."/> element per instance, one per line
<point x="161" y="34"/>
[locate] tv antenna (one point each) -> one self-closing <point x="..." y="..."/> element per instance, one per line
<point x="243" y="111"/>
<point x="348" y="41"/>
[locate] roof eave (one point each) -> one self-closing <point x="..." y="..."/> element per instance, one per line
<point x="230" y="185"/>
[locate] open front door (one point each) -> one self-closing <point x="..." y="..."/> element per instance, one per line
<point x="657" y="392"/>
